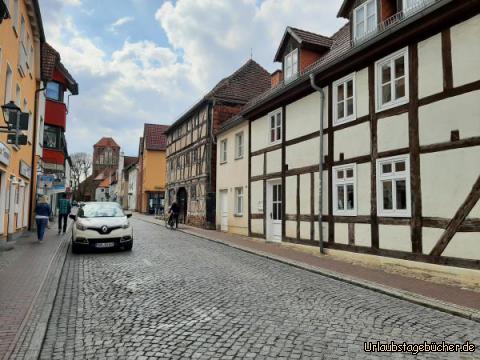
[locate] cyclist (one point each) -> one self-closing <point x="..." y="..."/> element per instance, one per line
<point x="173" y="214"/>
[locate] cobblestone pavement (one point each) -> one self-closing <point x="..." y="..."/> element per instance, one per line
<point x="176" y="296"/>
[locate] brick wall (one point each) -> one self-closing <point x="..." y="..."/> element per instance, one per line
<point x="308" y="57"/>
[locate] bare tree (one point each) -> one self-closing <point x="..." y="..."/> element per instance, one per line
<point x="81" y="165"/>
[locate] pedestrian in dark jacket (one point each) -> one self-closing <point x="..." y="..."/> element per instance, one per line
<point x="64" y="208"/>
<point x="174" y="211"/>
<point x="43" y="211"/>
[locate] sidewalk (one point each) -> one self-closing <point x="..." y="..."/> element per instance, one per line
<point x="449" y="298"/>
<point x="23" y="272"/>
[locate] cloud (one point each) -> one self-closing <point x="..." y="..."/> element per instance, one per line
<point x="120" y="22"/>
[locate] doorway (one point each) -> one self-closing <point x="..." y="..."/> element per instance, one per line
<point x="182" y="201"/>
<point x="224" y="210"/>
<point x="274" y="211"/>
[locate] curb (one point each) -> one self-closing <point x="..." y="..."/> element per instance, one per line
<point x="38" y="321"/>
<point x="464" y="312"/>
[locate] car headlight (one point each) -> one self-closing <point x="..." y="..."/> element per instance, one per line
<point x="81" y="227"/>
<point x="126" y="225"/>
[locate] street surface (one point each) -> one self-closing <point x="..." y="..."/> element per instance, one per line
<point x="176" y="296"/>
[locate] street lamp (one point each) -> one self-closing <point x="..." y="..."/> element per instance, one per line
<point x="10" y="110"/>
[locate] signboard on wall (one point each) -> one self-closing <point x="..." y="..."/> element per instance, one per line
<point x="4" y="154"/>
<point x="25" y="169"/>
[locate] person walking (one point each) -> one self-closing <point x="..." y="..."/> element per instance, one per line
<point x="64" y="208"/>
<point x="174" y="211"/>
<point x="43" y="211"/>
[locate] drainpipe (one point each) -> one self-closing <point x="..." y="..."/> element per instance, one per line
<point x="320" y="165"/>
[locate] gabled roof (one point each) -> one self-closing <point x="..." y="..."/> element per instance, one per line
<point x="345" y="8"/>
<point x="154" y="135"/>
<point x="106" y="142"/>
<point x="105" y="183"/>
<point x="50" y="60"/>
<point x="306" y="39"/>
<point x="247" y="82"/>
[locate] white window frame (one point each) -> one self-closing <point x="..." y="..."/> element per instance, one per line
<point x="351" y="181"/>
<point x="8" y="84"/>
<point x="15" y="15"/>
<point x="404" y="175"/>
<point x="270" y="115"/>
<point x="292" y="71"/>
<point x="378" y="83"/>
<point x="239" y="145"/>
<point x="343" y="81"/>
<point x="223" y="151"/>
<point x="239" y="198"/>
<point x="365" y="26"/>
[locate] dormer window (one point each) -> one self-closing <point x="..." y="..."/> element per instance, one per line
<point x="364" y="19"/>
<point x="291" y="65"/>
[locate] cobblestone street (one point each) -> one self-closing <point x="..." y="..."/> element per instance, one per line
<point x="176" y="296"/>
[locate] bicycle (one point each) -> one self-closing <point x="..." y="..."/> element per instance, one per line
<point x="169" y="221"/>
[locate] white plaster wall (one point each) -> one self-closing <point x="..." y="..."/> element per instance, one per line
<point x="305" y="184"/>
<point x="430" y="66"/>
<point x="305" y="153"/>
<point x="395" y="237"/>
<point x="465" y="246"/>
<point x="341" y="233"/>
<point x="393" y="132"/>
<point x="304" y="230"/>
<point x="430" y="238"/>
<point x="325" y="231"/>
<point x="363" y="235"/>
<point x="274" y="161"/>
<point x="457" y="113"/>
<point x="466" y="51"/>
<point x="257" y="196"/>
<point x="362" y="93"/>
<point x="363" y="189"/>
<point x="257" y="226"/>
<point x="447" y="178"/>
<point x="259" y="133"/>
<point x="353" y="141"/>
<point x="291" y="229"/>
<point x="475" y="213"/>
<point x="257" y="165"/>
<point x="303" y="116"/>
<point x="291" y="195"/>
<point x="324" y="192"/>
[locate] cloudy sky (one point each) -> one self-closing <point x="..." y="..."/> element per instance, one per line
<point x="140" y="61"/>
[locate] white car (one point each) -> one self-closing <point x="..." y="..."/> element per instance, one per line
<point x="101" y="225"/>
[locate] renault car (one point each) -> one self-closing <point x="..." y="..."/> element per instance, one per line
<point x="101" y="225"/>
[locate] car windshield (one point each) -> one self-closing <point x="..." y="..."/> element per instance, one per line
<point x="100" y="210"/>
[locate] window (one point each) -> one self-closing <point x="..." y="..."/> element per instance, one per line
<point x="18" y="95"/>
<point x="291" y="65"/>
<point x="365" y="19"/>
<point x="193" y="192"/>
<point x="8" y="85"/>
<point x="344" y="98"/>
<point x="194" y="156"/>
<point x="223" y="151"/>
<point x="54" y="91"/>
<point x="239" y="145"/>
<point x="393" y="186"/>
<point x="239" y="201"/>
<point x="275" y="126"/>
<point x="51" y="139"/>
<point x="392" y="80"/>
<point x="345" y="190"/>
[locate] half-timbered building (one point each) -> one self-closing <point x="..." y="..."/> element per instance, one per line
<point x="398" y="89"/>
<point x="191" y="149"/>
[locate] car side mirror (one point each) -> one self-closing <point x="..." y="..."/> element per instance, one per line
<point x="72" y="216"/>
<point x="128" y="215"/>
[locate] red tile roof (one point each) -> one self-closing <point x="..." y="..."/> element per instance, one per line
<point x="155" y="138"/>
<point x="129" y="160"/>
<point x="106" y="142"/>
<point x="50" y="60"/>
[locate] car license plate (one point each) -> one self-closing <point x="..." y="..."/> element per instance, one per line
<point x="105" y="245"/>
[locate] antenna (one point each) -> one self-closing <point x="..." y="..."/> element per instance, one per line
<point x="251" y="53"/>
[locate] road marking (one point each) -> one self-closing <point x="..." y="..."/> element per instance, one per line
<point x="148" y="263"/>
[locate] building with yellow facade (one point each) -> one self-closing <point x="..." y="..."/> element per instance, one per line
<point x="21" y="36"/>
<point x="153" y="171"/>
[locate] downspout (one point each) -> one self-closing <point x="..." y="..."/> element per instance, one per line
<point x="34" y="151"/>
<point x="320" y="164"/>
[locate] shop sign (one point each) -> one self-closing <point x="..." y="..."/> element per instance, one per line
<point x="25" y="169"/>
<point x="4" y="154"/>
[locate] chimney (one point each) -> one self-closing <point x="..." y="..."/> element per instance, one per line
<point x="276" y="77"/>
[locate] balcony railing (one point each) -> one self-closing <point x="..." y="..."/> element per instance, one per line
<point x="415" y="7"/>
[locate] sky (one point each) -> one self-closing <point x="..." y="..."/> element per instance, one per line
<point x="147" y="61"/>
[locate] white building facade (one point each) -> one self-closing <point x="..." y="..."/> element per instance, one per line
<point x="132" y="187"/>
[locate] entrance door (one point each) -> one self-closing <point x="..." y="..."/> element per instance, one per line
<point x="182" y="201"/>
<point x="224" y="210"/>
<point x="274" y="214"/>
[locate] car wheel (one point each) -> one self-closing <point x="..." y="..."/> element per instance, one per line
<point x="128" y="247"/>
<point x="75" y="248"/>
